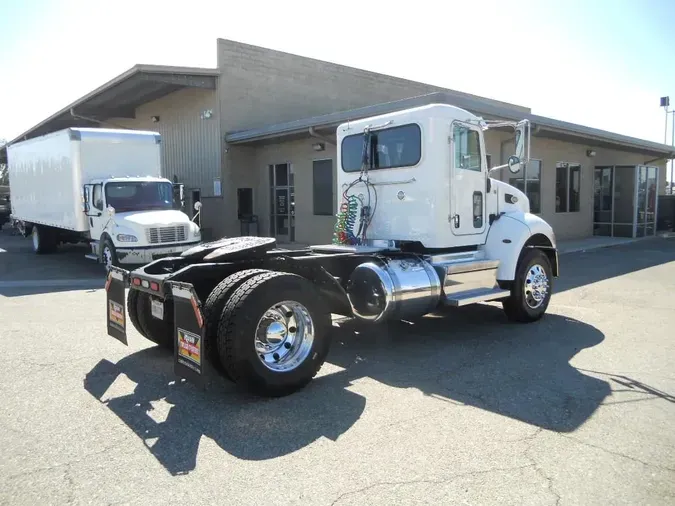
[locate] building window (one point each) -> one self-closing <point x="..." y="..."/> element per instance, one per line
<point x="323" y="188"/>
<point x="533" y="188"/>
<point x="394" y="147"/>
<point x="567" y="185"/>
<point x="467" y="148"/>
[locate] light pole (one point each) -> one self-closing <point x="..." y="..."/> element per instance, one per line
<point x="665" y="103"/>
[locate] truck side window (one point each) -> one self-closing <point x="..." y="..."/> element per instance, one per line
<point x="97" y="197"/>
<point x="467" y="148"/>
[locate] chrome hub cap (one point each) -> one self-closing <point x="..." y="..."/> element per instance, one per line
<point x="536" y="286"/>
<point x="284" y="336"/>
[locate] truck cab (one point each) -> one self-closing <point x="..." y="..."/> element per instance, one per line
<point x="135" y="220"/>
<point x="422" y="176"/>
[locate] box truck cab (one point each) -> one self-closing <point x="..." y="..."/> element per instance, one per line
<point x="101" y="186"/>
<point x="135" y="220"/>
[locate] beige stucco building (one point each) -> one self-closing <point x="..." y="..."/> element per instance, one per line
<point x="260" y="129"/>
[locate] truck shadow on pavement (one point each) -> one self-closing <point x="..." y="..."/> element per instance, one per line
<point x="467" y="357"/>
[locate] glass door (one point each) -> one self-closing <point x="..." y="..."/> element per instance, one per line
<point x="646" y="192"/>
<point x="614" y="198"/>
<point x="603" y="204"/>
<point x="282" y="202"/>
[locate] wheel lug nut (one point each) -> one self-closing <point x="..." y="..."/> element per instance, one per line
<point x="276" y="357"/>
<point x="287" y="345"/>
<point x="292" y="330"/>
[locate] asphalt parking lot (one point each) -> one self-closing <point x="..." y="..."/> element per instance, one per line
<point x="455" y="408"/>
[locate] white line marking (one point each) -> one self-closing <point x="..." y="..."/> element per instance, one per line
<point x="48" y="283"/>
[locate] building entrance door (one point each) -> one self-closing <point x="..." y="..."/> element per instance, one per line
<point x="282" y="202"/>
<point x="624" y="201"/>
<point x="647" y="194"/>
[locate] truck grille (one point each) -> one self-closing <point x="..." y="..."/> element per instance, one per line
<point x="160" y="235"/>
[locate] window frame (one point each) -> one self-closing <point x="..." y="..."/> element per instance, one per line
<point x="458" y="145"/>
<point x="525" y="180"/>
<point x="415" y="124"/>
<point x="332" y="187"/>
<point x="569" y="168"/>
<point x="101" y="196"/>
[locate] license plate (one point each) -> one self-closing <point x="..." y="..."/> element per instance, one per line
<point x="157" y="309"/>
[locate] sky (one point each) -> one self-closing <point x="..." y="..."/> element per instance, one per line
<point x="600" y="63"/>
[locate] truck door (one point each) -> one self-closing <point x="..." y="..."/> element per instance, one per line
<point x="96" y="215"/>
<point x="467" y="182"/>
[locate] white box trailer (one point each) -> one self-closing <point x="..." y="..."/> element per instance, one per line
<point x="103" y="186"/>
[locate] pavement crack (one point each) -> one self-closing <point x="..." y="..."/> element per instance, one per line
<point x="438" y="481"/>
<point x="537" y="467"/>
<point x="618" y="454"/>
<point x="71" y="484"/>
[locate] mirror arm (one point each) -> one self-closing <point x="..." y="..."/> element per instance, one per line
<point x="498" y="167"/>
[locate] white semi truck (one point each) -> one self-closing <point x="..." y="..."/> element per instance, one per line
<point x="420" y="224"/>
<point x="101" y="186"/>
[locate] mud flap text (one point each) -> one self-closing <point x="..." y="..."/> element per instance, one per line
<point x="189" y="334"/>
<point x="115" y="308"/>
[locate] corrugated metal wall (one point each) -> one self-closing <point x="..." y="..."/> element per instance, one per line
<point x="190" y="142"/>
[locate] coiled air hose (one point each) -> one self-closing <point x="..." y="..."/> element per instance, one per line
<point x="346" y="221"/>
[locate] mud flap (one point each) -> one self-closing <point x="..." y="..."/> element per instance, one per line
<point x="117" y="316"/>
<point x="189" y="334"/>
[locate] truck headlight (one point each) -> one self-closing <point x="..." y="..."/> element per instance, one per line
<point x="126" y="238"/>
<point x="196" y="233"/>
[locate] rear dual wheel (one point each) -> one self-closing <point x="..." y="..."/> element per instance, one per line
<point x="273" y="334"/>
<point x="158" y="331"/>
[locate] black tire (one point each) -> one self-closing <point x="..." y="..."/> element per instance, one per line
<point x="516" y="306"/>
<point x="159" y="332"/>
<point x="132" y="311"/>
<point x="44" y="240"/>
<point x="107" y="244"/>
<point x="237" y="328"/>
<point x="213" y="309"/>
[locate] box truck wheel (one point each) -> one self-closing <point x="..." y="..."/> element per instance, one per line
<point x="531" y="289"/>
<point x="44" y="239"/>
<point x="274" y="334"/>
<point x="108" y="253"/>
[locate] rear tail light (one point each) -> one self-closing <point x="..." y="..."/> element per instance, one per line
<point x="136" y="282"/>
<point x="154" y="286"/>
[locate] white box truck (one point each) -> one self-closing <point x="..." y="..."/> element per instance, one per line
<point x="101" y="186"/>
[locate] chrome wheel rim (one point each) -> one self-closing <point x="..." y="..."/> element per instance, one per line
<point x="36" y="239"/>
<point x="107" y="256"/>
<point x="284" y="336"/>
<point x="536" y="286"/>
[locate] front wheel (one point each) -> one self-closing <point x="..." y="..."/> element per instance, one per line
<point x="274" y="334"/>
<point x="531" y="289"/>
<point x="109" y="254"/>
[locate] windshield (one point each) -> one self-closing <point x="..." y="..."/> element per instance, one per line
<point x="392" y="147"/>
<point x="139" y="195"/>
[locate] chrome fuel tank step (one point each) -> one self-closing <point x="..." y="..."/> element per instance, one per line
<point x="476" y="295"/>
<point x="462" y="273"/>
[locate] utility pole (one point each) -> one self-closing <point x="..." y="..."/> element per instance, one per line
<point x="665" y="103"/>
